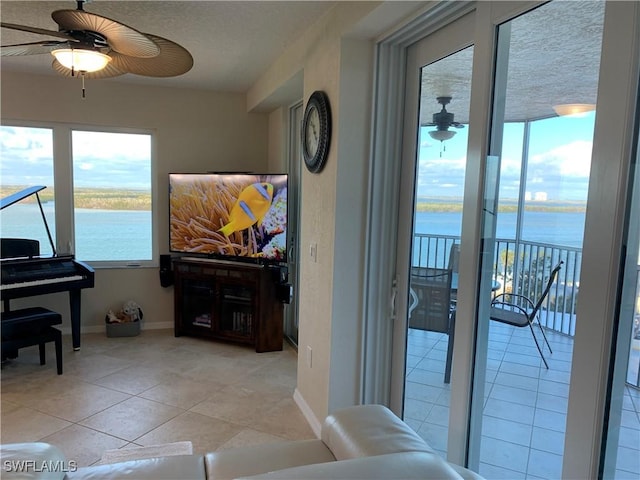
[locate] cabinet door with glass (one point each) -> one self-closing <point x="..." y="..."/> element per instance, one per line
<point x="236" y="311"/>
<point x="195" y="303"/>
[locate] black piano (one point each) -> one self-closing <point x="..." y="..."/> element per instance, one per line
<point x="26" y="274"/>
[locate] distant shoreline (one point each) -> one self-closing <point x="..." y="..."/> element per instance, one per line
<point x="132" y="199"/>
<point x="449" y="205"/>
<point x="457" y="207"/>
<point x="94" y="198"/>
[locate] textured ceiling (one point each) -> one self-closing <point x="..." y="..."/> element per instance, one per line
<point x="553" y="58"/>
<point x="232" y="42"/>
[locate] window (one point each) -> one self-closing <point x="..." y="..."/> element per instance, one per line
<point x="27" y="160"/>
<point x="106" y="173"/>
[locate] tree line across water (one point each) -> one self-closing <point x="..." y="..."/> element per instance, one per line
<point x="507" y="206"/>
<point x="131" y="199"/>
<point x="94" y="198"/>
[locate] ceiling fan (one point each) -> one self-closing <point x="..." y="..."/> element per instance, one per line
<point x="111" y="47"/>
<point x="442" y="120"/>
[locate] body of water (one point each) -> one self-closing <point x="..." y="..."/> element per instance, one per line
<point x="125" y="235"/>
<point x="563" y="229"/>
<point x="101" y="235"/>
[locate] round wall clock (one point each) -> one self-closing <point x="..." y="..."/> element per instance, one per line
<point x="316" y="131"/>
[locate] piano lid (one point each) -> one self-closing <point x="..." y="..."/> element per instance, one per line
<point x="21" y="195"/>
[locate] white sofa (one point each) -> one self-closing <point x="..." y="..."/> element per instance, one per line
<point x="361" y="442"/>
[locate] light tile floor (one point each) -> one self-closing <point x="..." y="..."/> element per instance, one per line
<point x="155" y="388"/>
<point x="148" y="390"/>
<point x="525" y="404"/>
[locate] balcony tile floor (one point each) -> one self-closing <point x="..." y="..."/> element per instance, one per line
<point x="525" y="405"/>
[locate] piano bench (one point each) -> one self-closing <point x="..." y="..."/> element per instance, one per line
<point x="31" y="326"/>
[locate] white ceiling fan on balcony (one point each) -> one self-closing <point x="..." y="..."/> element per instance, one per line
<point x="99" y="47"/>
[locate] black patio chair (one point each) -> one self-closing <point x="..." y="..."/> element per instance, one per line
<point x="454" y="261"/>
<point x="521" y="311"/>
<point x="430" y="308"/>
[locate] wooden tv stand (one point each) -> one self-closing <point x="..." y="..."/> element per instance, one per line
<point x="229" y="301"/>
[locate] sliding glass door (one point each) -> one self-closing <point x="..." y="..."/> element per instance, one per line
<point x="439" y="78"/>
<point x="550" y="122"/>
<point x="534" y="211"/>
<point x="622" y="437"/>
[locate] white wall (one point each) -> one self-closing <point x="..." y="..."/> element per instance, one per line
<point x="278" y="160"/>
<point x="195" y="131"/>
<point x="336" y="56"/>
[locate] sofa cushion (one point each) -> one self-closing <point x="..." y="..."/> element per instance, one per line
<point x="366" y="430"/>
<point x="183" y="467"/>
<point x="246" y="461"/>
<point x="405" y="466"/>
<point x="33" y="460"/>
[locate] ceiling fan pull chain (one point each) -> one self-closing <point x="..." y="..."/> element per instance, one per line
<point x="83" y="90"/>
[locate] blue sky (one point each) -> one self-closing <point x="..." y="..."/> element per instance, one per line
<point x="559" y="160"/>
<point x="107" y="160"/>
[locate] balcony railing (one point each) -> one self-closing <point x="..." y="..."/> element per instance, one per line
<point x="523" y="268"/>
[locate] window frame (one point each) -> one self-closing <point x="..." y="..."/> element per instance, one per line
<point x="64" y="191"/>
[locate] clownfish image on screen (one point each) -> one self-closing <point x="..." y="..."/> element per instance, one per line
<point x="234" y="215"/>
<point x="250" y="208"/>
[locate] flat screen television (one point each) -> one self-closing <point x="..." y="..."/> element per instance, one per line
<point x="238" y="216"/>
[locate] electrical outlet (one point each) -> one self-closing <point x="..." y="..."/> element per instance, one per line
<point x="309" y="352"/>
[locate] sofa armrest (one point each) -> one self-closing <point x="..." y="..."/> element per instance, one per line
<point x="465" y="472"/>
<point x="184" y="467"/>
<point x="366" y="430"/>
<point x="406" y="466"/>
<point x="251" y="460"/>
<point x="33" y="460"/>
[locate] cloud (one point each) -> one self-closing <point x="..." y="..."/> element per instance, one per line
<point x="562" y="172"/>
<point x="100" y="159"/>
<point x="571" y="159"/>
<point x="100" y="146"/>
<point x="441" y="176"/>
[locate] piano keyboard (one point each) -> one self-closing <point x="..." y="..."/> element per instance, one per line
<point x="43" y="281"/>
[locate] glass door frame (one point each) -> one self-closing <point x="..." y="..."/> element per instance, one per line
<point x="606" y="207"/>
<point x="613" y="147"/>
<point x="451" y="38"/>
<point x="291" y="317"/>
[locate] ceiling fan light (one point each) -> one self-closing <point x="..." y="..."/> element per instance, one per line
<point x="574" y="109"/>
<point x="81" y="60"/>
<point x="442" y="135"/>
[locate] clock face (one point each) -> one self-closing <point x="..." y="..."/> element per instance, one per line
<point x="316" y="131"/>
<point x="312" y="137"/>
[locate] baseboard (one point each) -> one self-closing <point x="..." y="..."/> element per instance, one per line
<point x="101" y="328"/>
<point x="313" y="422"/>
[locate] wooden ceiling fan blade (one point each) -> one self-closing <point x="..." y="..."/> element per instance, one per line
<point x="172" y="61"/>
<point x="121" y="38"/>
<point x="108" y="72"/>
<point x="41" y="31"/>
<point x="34" y="48"/>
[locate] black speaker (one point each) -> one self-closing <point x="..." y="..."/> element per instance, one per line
<point x="284" y="292"/>
<point x="166" y="274"/>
